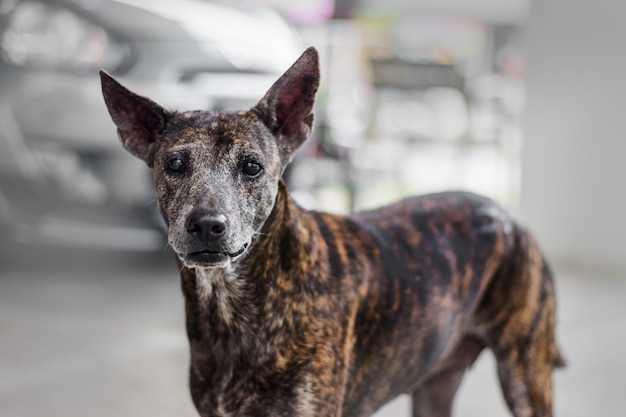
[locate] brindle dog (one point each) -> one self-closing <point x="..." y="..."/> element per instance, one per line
<point x="298" y="313"/>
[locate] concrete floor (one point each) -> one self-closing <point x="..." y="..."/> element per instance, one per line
<point x="104" y="336"/>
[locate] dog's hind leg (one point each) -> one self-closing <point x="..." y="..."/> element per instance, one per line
<point x="520" y="311"/>
<point x="435" y="396"/>
<point x="525" y="371"/>
<point x="525" y="363"/>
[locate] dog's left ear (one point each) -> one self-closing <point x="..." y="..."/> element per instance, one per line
<point x="287" y="108"/>
<point x="139" y="120"/>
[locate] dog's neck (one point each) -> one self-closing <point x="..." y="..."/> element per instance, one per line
<point x="232" y="301"/>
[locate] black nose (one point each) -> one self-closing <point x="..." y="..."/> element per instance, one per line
<point x="206" y="226"/>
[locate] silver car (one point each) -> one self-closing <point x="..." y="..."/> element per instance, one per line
<point x="64" y="179"/>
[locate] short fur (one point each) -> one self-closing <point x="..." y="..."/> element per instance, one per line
<point x="298" y="313"/>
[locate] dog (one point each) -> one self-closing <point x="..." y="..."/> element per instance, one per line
<point x="293" y="312"/>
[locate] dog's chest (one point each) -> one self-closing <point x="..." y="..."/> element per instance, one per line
<point x="218" y="292"/>
<point x="233" y="356"/>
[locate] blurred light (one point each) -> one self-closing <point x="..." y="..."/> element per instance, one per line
<point x="304" y="11"/>
<point x="439" y="39"/>
<point x="251" y="38"/>
<point x="47" y="36"/>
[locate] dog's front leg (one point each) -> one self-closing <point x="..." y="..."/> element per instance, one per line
<point x="328" y="388"/>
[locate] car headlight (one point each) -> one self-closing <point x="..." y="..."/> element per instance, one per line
<point x="38" y="34"/>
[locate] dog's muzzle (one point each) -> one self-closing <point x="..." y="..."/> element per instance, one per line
<point x="208" y="230"/>
<point x="206" y="227"/>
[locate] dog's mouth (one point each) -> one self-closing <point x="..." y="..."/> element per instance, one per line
<point x="208" y="258"/>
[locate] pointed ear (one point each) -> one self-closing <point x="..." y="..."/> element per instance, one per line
<point x="139" y="120"/>
<point x="287" y="108"/>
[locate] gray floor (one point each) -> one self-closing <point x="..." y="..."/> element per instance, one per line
<point x="105" y="337"/>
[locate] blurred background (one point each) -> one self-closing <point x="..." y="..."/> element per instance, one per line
<point x="520" y="100"/>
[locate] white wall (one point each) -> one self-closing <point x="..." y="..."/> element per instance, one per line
<point x="574" y="159"/>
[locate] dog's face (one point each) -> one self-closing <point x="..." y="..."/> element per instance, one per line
<point x="216" y="178"/>
<point x="216" y="174"/>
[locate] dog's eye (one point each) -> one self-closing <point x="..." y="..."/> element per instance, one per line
<point x="252" y="169"/>
<point x="175" y="165"/>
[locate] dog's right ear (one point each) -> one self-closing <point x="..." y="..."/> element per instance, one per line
<point x="287" y="108"/>
<point x="139" y="120"/>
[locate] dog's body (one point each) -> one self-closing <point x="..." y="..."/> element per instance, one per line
<point x="298" y="313"/>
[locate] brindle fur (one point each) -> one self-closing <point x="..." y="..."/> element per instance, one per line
<point x="325" y="315"/>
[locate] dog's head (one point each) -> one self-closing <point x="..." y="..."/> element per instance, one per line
<point x="216" y="174"/>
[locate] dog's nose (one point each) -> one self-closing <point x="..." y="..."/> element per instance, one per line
<point x="206" y="226"/>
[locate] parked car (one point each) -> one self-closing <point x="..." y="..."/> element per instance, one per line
<point x="64" y="178"/>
